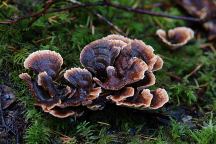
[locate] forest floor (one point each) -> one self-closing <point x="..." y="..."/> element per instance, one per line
<point x="188" y="75"/>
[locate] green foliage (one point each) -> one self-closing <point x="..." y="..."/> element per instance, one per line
<point x="85" y="132"/>
<point x="104" y="138"/>
<point x="38" y="133"/>
<point x="207" y="134"/>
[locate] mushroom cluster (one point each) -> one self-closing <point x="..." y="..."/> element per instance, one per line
<point x="116" y="69"/>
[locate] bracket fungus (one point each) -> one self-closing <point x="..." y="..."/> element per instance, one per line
<point x="44" y="60"/>
<point x="116" y="69"/>
<point x="176" y="37"/>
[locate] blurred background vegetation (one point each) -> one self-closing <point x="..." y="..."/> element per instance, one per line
<point x="189" y="117"/>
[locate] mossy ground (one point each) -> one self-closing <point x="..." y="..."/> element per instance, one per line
<point x="189" y="117"/>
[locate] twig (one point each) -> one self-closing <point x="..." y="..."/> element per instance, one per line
<point x="174" y="76"/>
<point x="47" y="5"/>
<point x="35" y="16"/>
<point x="210" y="45"/>
<point x="109" y="23"/>
<point x="193" y="71"/>
<point x="105" y="3"/>
<point x="143" y="11"/>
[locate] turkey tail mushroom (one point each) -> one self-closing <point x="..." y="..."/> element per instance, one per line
<point x="100" y="54"/>
<point x="133" y="72"/>
<point x="160" y="97"/>
<point x="44" y="60"/>
<point x="81" y="80"/>
<point x="116" y="69"/>
<point x="64" y="113"/>
<point x="137" y="99"/>
<point x="176" y="37"/>
<point x="142" y="98"/>
<point x="42" y="97"/>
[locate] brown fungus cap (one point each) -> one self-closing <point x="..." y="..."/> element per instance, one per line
<point x="160" y="97"/>
<point x="44" y="60"/>
<point x="137" y="49"/>
<point x="121" y="94"/>
<point x="158" y="64"/>
<point x="81" y="80"/>
<point x="142" y="98"/>
<point x="43" y="99"/>
<point x="176" y="37"/>
<point x="100" y="54"/>
<point x="138" y="99"/>
<point x="133" y="71"/>
<point x="45" y="81"/>
<point x="148" y="80"/>
<point x="7" y="96"/>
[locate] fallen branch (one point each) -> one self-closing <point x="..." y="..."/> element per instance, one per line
<point x="109" y="23"/>
<point x="193" y="71"/>
<point x="104" y="3"/>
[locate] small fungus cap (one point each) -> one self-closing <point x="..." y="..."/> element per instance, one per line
<point x="176" y="37"/>
<point x="160" y="97"/>
<point x="99" y="54"/>
<point x="44" y="60"/>
<point x="81" y="81"/>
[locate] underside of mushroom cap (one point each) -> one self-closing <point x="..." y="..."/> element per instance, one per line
<point x="160" y="97"/>
<point x="121" y="94"/>
<point x="176" y="37"/>
<point x="98" y="55"/>
<point x="138" y="100"/>
<point x="148" y="80"/>
<point x="64" y="113"/>
<point x="133" y="72"/>
<point x="44" y="60"/>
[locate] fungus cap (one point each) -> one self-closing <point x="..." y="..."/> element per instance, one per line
<point x="44" y="60"/>
<point x="176" y="37"/>
<point x="160" y="97"/>
<point x="133" y="72"/>
<point x="98" y="55"/>
<point x="140" y="100"/>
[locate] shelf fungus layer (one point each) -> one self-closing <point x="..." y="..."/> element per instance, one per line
<point x="44" y="60"/>
<point x="81" y="81"/>
<point x="140" y="98"/>
<point x="116" y="69"/>
<point x="176" y="37"/>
